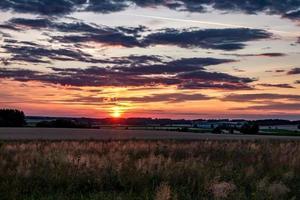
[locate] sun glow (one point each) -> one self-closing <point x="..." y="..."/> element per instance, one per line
<point x="116" y="112"/>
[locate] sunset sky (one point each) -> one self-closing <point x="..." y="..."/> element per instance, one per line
<point x="154" y="58"/>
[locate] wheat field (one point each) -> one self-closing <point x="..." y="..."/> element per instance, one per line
<point x="141" y="170"/>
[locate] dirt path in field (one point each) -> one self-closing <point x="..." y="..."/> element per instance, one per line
<point x="115" y="134"/>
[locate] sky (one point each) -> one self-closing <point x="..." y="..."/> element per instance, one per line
<point x="151" y="58"/>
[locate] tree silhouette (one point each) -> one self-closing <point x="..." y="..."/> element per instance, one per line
<point x="62" y="123"/>
<point x="249" y="128"/>
<point x="12" y="118"/>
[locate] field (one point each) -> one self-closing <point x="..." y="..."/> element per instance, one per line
<point x="144" y="169"/>
<point x="122" y="134"/>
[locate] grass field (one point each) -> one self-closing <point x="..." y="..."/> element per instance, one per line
<point x="281" y="132"/>
<point x="122" y="134"/>
<point x="159" y="170"/>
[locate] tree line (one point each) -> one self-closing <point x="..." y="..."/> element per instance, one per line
<point x="12" y="118"/>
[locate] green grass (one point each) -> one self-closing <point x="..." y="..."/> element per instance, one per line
<point x="141" y="170"/>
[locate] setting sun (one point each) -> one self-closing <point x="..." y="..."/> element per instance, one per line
<point x="116" y="112"/>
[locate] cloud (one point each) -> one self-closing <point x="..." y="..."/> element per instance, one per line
<point x="35" y="53"/>
<point x="282" y="7"/>
<point x="297" y="82"/>
<point x="42" y="7"/>
<point x="273" y="106"/>
<point x="106" y="38"/>
<point x="260" y="96"/>
<point x="119" y="36"/>
<point x="224" y="39"/>
<point x="71" y="27"/>
<point x="257" y="55"/>
<point x="294" y="71"/>
<point x="8" y="27"/>
<point x="216" y="76"/>
<point x="38" y="23"/>
<point x="266" y="101"/>
<point x="194" y="85"/>
<point x="107" y="6"/>
<point x="285" y="8"/>
<point x="146" y="64"/>
<point x="81" y="32"/>
<point x="152" y="72"/>
<point x="137" y="59"/>
<point x="171" y="67"/>
<point x="295" y="15"/>
<point x="283" y="85"/>
<point x="279" y="71"/>
<point x="213" y="80"/>
<point x="169" y="97"/>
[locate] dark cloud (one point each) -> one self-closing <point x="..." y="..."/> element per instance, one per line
<point x="9" y="27"/>
<point x="43" y="7"/>
<point x="294" y="71"/>
<point x="295" y="15"/>
<point x="191" y="85"/>
<point x="108" y="39"/>
<point x="273" y="106"/>
<point x="92" y="76"/>
<point x="37" y="23"/>
<point x="73" y="27"/>
<point x="282" y="7"/>
<point x="276" y="71"/>
<point x="171" y="67"/>
<point x="259" y="97"/>
<point x="35" y="53"/>
<point x="169" y="97"/>
<point x="279" y="71"/>
<point x="138" y="59"/>
<point x="283" y="85"/>
<point x="223" y="39"/>
<point x="258" y="55"/>
<point x="285" y="8"/>
<point x="172" y="73"/>
<point x="81" y="32"/>
<point x="214" y="80"/>
<point x="217" y="76"/>
<point x="133" y="64"/>
<point x="120" y="36"/>
<point x="107" y="6"/>
<point x="297" y="82"/>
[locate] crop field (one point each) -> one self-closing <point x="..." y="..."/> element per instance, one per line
<point x="146" y="170"/>
<point x="122" y="134"/>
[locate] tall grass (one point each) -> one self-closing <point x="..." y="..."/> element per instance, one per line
<point x="159" y="170"/>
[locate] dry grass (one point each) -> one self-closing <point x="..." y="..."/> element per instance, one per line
<point x="160" y="170"/>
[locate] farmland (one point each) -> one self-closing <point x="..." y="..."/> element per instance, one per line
<point x="122" y="134"/>
<point x="150" y="169"/>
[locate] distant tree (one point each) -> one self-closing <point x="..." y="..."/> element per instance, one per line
<point x="249" y="128"/>
<point x="299" y="126"/>
<point x="184" y="129"/>
<point x="217" y="130"/>
<point x="62" y="123"/>
<point x="12" y="118"/>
